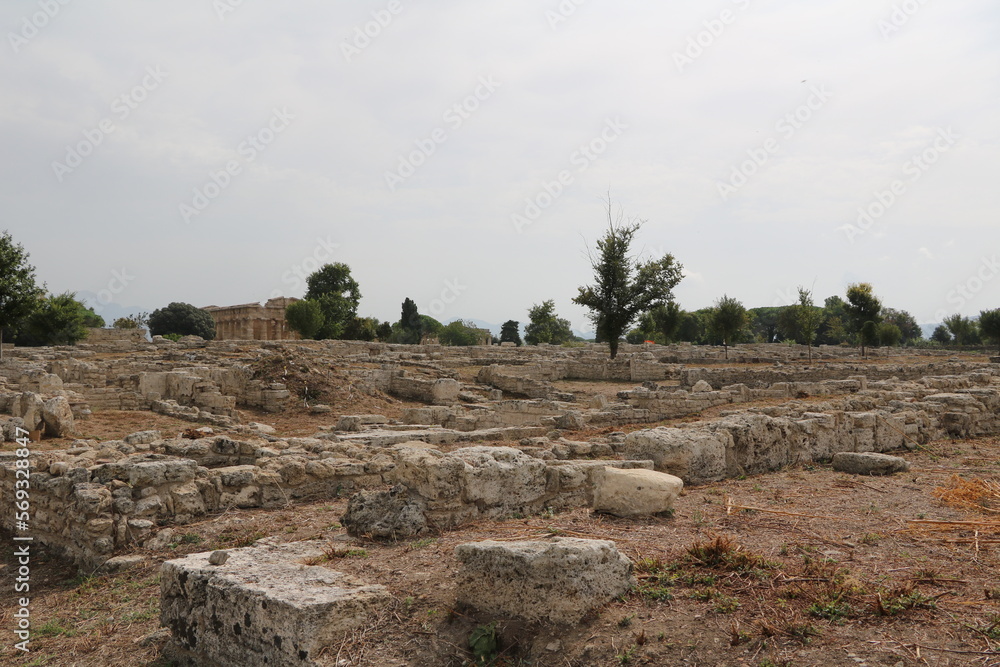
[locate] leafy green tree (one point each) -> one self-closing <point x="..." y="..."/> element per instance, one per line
<point x="909" y="330"/>
<point x="384" y="331"/>
<point x="137" y="321"/>
<point x="766" y="324"/>
<point x="666" y="320"/>
<point x="361" y="328"/>
<point x="868" y="336"/>
<point x="888" y="334"/>
<point x="833" y="329"/>
<point x="183" y="319"/>
<point x="460" y="333"/>
<point x="510" y="332"/>
<point x="19" y="295"/>
<point x="429" y="326"/>
<point x="624" y="286"/>
<point x="693" y="327"/>
<point x="962" y="329"/>
<point x="941" y="335"/>
<point x="57" y="320"/>
<point x="989" y="324"/>
<point x="807" y="317"/>
<point x="788" y="327"/>
<point x="304" y="317"/>
<point x="338" y="296"/>
<point x="729" y="317"/>
<point x="545" y="326"/>
<point x="863" y="307"/>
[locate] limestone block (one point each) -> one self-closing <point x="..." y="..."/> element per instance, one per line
<point x="635" y="492"/>
<point x="391" y="514"/>
<point x="572" y="421"/>
<point x="868" y="463"/>
<point x="558" y="580"/>
<point x="155" y="473"/>
<point x="694" y="455"/>
<point x="28" y="406"/>
<point x="430" y="473"/>
<point x="263" y="606"/>
<point x="501" y="477"/>
<point x="760" y="443"/>
<point x="701" y="386"/>
<point x="445" y="391"/>
<point x="143" y="437"/>
<point x="187" y="500"/>
<point x="58" y="417"/>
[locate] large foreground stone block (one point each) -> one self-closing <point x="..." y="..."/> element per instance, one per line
<point x="262" y="605"/>
<point x="557" y="580"/>
<point x="635" y="492"/>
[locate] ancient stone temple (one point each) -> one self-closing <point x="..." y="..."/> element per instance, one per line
<point x="252" y="321"/>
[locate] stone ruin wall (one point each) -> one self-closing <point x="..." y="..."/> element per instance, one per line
<point x="94" y="500"/>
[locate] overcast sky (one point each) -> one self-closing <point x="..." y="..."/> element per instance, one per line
<point x="461" y="153"/>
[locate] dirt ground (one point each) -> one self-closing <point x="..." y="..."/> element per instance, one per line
<point x="804" y="566"/>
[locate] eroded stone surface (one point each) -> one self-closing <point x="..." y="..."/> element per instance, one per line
<point x="558" y="580"/>
<point x="263" y="606"/>
<point x="391" y="514"/>
<point x="869" y="463"/>
<point x="635" y="492"/>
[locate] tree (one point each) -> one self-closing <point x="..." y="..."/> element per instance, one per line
<point x="908" y="328"/>
<point x="963" y="329"/>
<point x="410" y="328"/>
<point x="989" y="324"/>
<point x="624" y="285"/>
<point x="868" y="335"/>
<point x="862" y="307"/>
<point x="361" y="328"/>
<point x="545" y="326"/>
<point x="137" y="321"/>
<point x="729" y="317"/>
<point x="771" y="324"/>
<point x="182" y="319"/>
<point x="807" y="317"/>
<point x="304" y="317"/>
<point x="337" y="295"/>
<point x="18" y="293"/>
<point x="693" y="327"/>
<point x="91" y="319"/>
<point x="941" y="334"/>
<point x="510" y="332"/>
<point x="666" y="319"/>
<point x="57" y="320"/>
<point x="888" y="334"/>
<point x="787" y="325"/>
<point x="384" y="331"/>
<point x="460" y="333"/>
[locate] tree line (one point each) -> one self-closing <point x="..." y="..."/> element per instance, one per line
<point x="630" y="300"/>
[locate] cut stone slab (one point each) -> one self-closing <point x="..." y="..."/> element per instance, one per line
<point x="558" y="580"/>
<point x="263" y="606"/>
<point x="868" y="463"/>
<point x="694" y="456"/>
<point x="635" y="492"/>
<point x="388" y="514"/>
